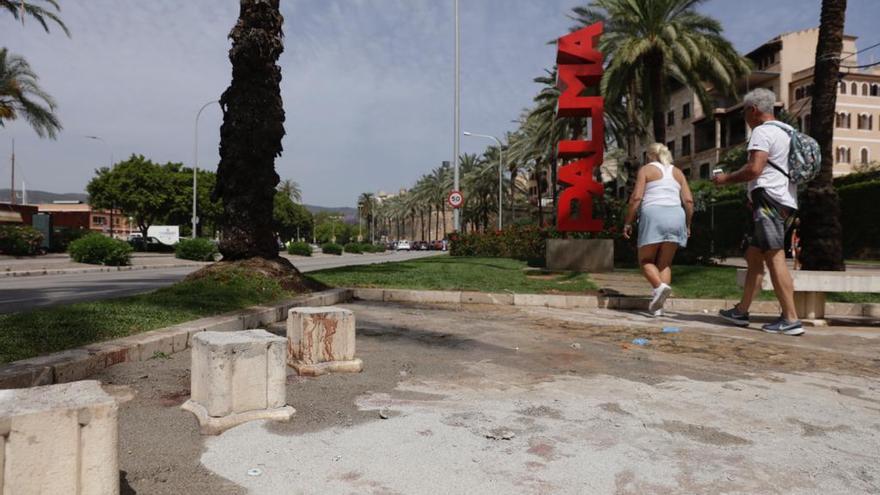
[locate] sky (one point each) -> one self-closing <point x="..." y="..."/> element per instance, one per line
<point x="367" y="84"/>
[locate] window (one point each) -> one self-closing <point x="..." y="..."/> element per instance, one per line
<point x="864" y="156"/>
<point x="686" y="145"/>
<point x="842" y="88"/>
<point x="644" y="157"/>
<point x="686" y="111"/>
<point x="670" y="117"/>
<point x="99" y="220"/>
<point x="843" y="155"/>
<point x="865" y="121"/>
<point x="704" y="171"/>
<point x="671" y="146"/>
<point x="687" y="173"/>
<point x="864" y="89"/>
<point x="875" y="90"/>
<point x="854" y="89"/>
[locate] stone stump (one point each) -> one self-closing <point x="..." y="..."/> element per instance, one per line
<point x="237" y="377"/>
<point x="58" y="439"/>
<point x="321" y="340"/>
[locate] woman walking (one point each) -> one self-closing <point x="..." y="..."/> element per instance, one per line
<point x="665" y="206"/>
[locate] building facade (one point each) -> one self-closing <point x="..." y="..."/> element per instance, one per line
<point x="699" y="138"/>
<point x="75" y="215"/>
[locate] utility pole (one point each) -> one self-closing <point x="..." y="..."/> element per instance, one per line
<point x="456" y="212"/>
<point x="12" y="185"/>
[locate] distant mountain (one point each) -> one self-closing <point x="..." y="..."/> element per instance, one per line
<point x="35" y="197"/>
<point x="348" y="212"/>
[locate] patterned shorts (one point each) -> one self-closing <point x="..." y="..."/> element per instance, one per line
<point x="771" y="222"/>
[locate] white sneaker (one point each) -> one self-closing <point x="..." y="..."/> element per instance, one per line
<point x="659" y="313"/>
<point x="660" y="295"/>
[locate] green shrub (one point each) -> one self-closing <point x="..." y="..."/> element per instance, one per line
<point x="354" y="248"/>
<point x="199" y="249"/>
<point x="299" y="248"/>
<point x="20" y="240"/>
<point x="374" y="248"/>
<point x="331" y="248"/>
<point x="63" y="236"/>
<point x="98" y="249"/>
<point x="861" y="230"/>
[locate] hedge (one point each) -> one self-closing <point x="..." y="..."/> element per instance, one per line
<point x="299" y="248"/>
<point x="331" y="248"/>
<point x="98" y="249"/>
<point x="354" y="248"/>
<point x="20" y="240"/>
<point x="861" y="228"/>
<point x="195" y="249"/>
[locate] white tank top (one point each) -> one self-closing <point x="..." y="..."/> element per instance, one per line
<point x="663" y="192"/>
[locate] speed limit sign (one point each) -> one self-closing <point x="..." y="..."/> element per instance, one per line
<point x="456" y="199"/>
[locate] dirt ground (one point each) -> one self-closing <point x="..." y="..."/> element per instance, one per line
<point x="533" y="400"/>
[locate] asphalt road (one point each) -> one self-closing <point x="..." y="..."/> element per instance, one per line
<point x="23" y="293"/>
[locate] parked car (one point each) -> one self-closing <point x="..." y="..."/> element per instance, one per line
<point x="151" y="244"/>
<point x="403" y="245"/>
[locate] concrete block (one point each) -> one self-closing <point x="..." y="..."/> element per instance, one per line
<point x="259" y="317"/>
<point x="844" y="309"/>
<point x="486" y="298"/>
<point x="871" y="310"/>
<point x="151" y="343"/>
<point x="546" y="300"/>
<point x="237" y="377"/>
<point x="59" y="439"/>
<point x="223" y="323"/>
<point x="369" y="294"/>
<point x="582" y="302"/>
<point x="321" y="340"/>
<point x="711" y="305"/>
<point x="765" y="307"/>
<point x="423" y="296"/>
<point x="580" y="255"/>
<point x="21" y="374"/>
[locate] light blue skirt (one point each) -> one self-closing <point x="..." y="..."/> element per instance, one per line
<point x="662" y="224"/>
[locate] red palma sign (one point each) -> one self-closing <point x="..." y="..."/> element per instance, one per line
<point x="579" y="67"/>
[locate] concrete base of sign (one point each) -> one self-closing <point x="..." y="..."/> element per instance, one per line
<point x="210" y="425"/>
<point x="322" y="340"/>
<point x="58" y="439"/>
<point x="237" y="377"/>
<point x="580" y="255"/>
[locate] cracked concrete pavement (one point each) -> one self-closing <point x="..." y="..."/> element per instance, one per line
<point x="495" y="399"/>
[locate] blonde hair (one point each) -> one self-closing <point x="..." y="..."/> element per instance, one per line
<point x="661" y="152"/>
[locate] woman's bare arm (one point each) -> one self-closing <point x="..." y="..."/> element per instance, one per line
<point x="635" y="199"/>
<point x="687" y="198"/>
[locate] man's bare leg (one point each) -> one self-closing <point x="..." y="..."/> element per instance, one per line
<point x="754" y="277"/>
<point x="783" y="284"/>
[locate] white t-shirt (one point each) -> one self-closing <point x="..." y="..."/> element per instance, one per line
<point x="775" y="141"/>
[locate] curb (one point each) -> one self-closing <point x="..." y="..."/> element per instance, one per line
<point x="564" y="301"/>
<point x="82" y="362"/>
<point x="64" y="271"/>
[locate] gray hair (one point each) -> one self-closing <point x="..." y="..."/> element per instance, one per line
<point x="762" y="99"/>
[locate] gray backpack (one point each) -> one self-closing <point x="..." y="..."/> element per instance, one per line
<point x="804" y="156"/>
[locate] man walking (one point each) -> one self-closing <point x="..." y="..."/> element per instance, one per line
<point x="772" y="199"/>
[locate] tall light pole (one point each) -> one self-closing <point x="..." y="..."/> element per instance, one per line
<point x="112" y="206"/>
<point x="500" y="169"/>
<point x="456" y="212"/>
<point x="195" y="217"/>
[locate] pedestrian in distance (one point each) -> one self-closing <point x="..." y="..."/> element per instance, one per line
<point x="664" y="204"/>
<point x="772" y="198"/>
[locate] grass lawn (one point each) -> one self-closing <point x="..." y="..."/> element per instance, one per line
<point x="448" y="273"/>
<point x="719" y="282"/>
<point x="42" y="331"/>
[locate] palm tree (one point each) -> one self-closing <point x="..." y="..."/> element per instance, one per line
<point x="650" y="42"/>
<point x="291" y="189"/>
<point x="21" y="96"/>
<point x="366" y="205"/>
<point x="821" y="230"/>
<point x="21" y="9"/>
<point x="250" y="137"/>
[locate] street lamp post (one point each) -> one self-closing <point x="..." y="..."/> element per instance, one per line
<point x="456" y="212"/>
<point x="500" y="169"/>
<point x="195" y="218"/>
<point x="112" y="206"/>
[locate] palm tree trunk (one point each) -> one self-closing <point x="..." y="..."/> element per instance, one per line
<point x="540" y="194"/>
<point x="630" y="165"/>
<point x="821" y="231"/>
<point x="250" y="137"/>
<point x="655" y="74"/>
<point x="513" y="174"/>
